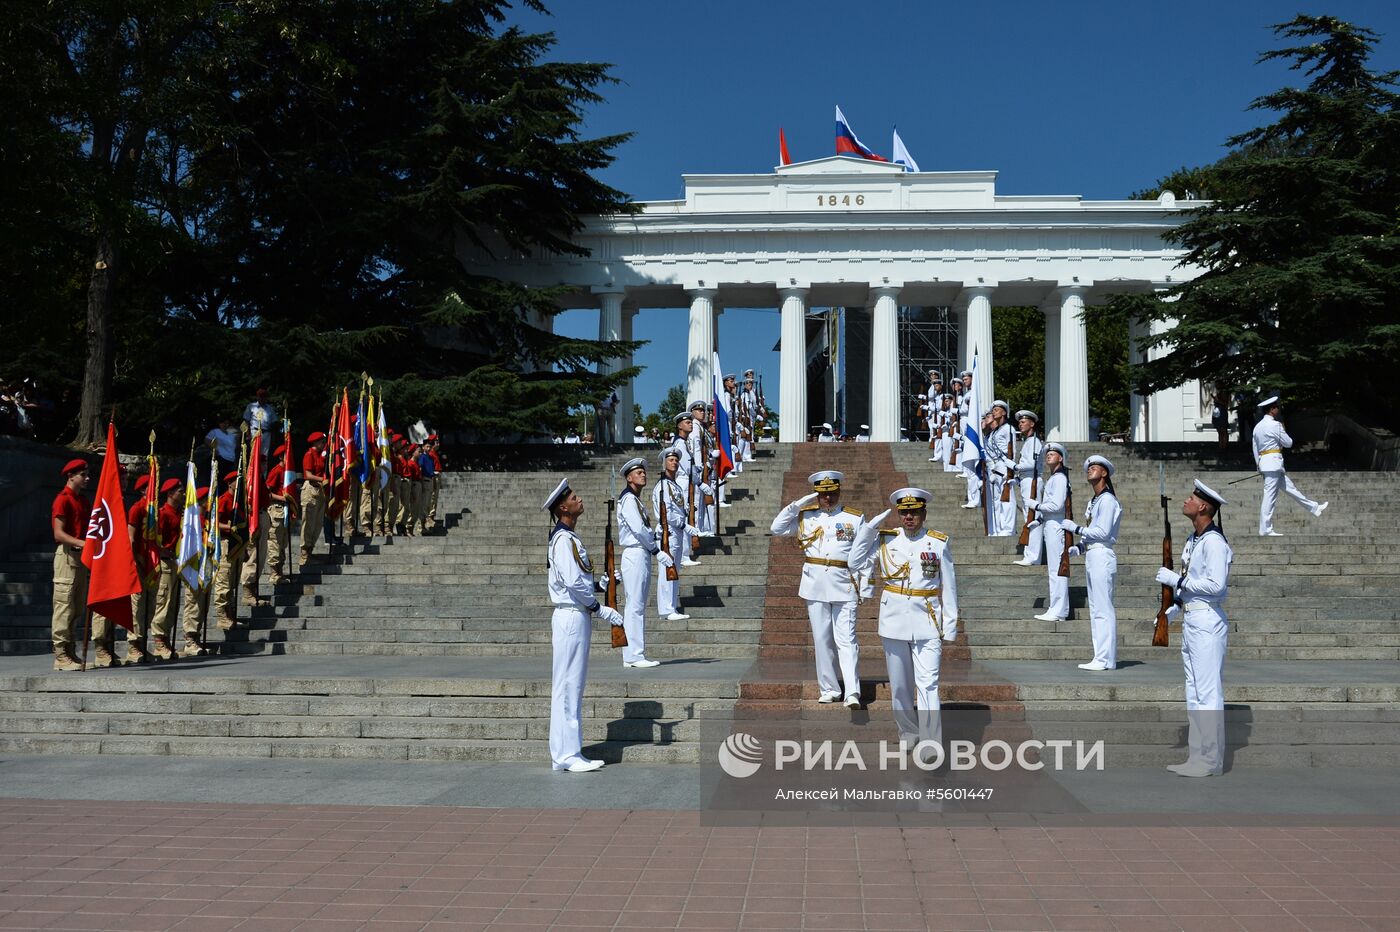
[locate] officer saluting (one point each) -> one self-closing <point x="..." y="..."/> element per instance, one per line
<point x="572" y="591"/>
<point x="1201" y="588"/>
<point x="825" y="531"/>
<point x="918" y="609"/>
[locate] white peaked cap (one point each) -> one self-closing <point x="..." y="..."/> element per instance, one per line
<point x="1209" y="494"/>
<point x="559" y="492"/>
<point x="1100" y="461"/>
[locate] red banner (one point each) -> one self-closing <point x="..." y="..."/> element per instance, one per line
<point x="107" y="548"/>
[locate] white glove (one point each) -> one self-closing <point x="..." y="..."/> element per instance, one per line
<point x="665" y="560"/>
<point x="1172" y="612"/>
<point x="1071" y="527"/>
<point x="714" y="454"/>
<point x="705" y="487"/>
<point x="1167" y="577"/>
<point x="692" y="531"/>
<point x="1033" y="524"/>
<point x="805" y="500"/>
<point x="611" y="615"/>
<point x="1074" y="550"/>
<point x="1032" y="503"/>
<point x="879" y="519"/>
<point x="617" y="576"/>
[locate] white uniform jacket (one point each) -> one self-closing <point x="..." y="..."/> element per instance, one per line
<point x="919" y="589"/>
<point x="996" y="445"/>
<point x="1205" y="569"/>
<point x="570" y="572"/>
<point x="825" y="538"/>
<point x="1101" y="519"/>
<point x="1027" y="456"/>
<point x="633" y="528"/>
<point x="669" y="491"/>
<point x="1270" y="440"/>
<point x="1053" y="491"/>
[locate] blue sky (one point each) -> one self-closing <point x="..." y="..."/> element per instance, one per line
<point x="1091" y="98"/>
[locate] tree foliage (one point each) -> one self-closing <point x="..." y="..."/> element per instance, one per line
<point x="280" y="190"/>
<point x="1299" y="249"/>
<point x="1019" y="334"/>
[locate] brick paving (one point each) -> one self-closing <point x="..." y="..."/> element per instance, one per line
<point x="157" y="866"/>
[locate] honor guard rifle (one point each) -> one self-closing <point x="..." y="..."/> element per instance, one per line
<point x="1010" y="459"/>
<point x="1069" y="535"/>
<point x="619" y="635"/>
<point x="671" y="574"/>
<point x="1025" y="540"/>
<point x="1159" y="631"/>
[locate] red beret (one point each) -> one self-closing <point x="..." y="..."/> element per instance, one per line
<point x="168" y="485"/>
<point x="260" y="391"/>
<point x="396" y="437"/>
<point x="230" y="476"/>
<point x="317" y="435"/>
<point x="280" y="450"/>
<point x="73" y="466"/>
<point x="142" y="482"/>
<point x="202" y="492"/>
<point x="432" y="436"/>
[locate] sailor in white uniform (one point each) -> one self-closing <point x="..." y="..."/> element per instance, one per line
<point x="1270" y="440"/>
<point x="918" y="609"/>
<point x="864" y="435"/>
<point x="1051" y="509"/>
<point x="947" y="415"/>
<point x="637" y="539"/>
<point x="830" y="584"/>
<point x="1028" y="482"/>
<point x="1097" y="537"/>
<point x="825" y="435"/>
<point x="1001" y="459"/>
<point x="700" y="450"/>
<point x="1201" y="588"/>
<point x="668" y="509"/>
<point x="968" y="458"/>
<point x="572" y="590"/>
<point x="688" y="478"/>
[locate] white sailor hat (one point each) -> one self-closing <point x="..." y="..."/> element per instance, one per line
<point x="955" y="379"/>
<point x="967" y="372"/>
<point x="560" y="490"/>
<point x="1268" y="402"/>
<point x="696" y="404"/>
<point x="748" y="373"/>
<point x="922" y="397"/>
<point x="635" y="462"/>
<point x="1099" y="461"/>
<point x="826" y="426"/>
<point x="1027" y="413"/>
<point x="1001" y="404"/>
<point x="639" y="429"/>
<point x="910" y="499"/>
<point x="904" y="430"/>
<point x="667" y="454"/>
<point x="1056" y="447"/>
<point x="1206" y="492"/>
<point x="731" y="376"/>
<point x="827" y="480"/>
<point x="865" y="427"/>
<point x="684" y="416"/>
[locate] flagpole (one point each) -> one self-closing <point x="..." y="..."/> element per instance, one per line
<point x="87" y="633"/>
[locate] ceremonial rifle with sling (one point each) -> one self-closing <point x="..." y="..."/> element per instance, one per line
<point x="956" y="438"/>
<point x="705" y="470"/>
<point x="1159" y="631"/>
<point x="1025" y="540"/>
<point x="1010" y="458"/>
<point x="671" y="574"/>
<point x="619" y="636"/>
<point x="1069" y="535"/>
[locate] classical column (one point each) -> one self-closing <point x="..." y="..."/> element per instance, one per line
<point x="625" y="419"/>
<point x="884" y="364"/>
<point x="610" y="329"/>
<point x="1050" y="417"/>
<point x="979" y="341"/>
<point x="960" y="315"/>
<point x="1074" y="367"/>
<point x="699" y="385"/>
<point x="792" y="367"/>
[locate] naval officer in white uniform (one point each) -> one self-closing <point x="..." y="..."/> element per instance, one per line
<point x="1051" y="510"/>
<point x="668" y="509"/>
<point x="825" y="532"/>
<point x="1201" y="588"/>
<point x="572" y="591"/>
<point x="638" y="542"/>
<point x="1270" y="440"/>
<point x="918" y="609"/>
<point x="1097" y="538"/>
<point x="1028" y="474"/>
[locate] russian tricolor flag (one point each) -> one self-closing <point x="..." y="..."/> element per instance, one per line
<point x="723" y="442"/>
<point x="848" y="144"/>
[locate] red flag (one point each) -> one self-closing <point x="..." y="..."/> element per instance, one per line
<point x="342" y="457"/>
<point x="107" y="548"/>
<point x="784" y="158"/>
<point x="256" y="495"/>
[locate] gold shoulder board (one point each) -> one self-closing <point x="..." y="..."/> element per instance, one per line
<point x="885" y="532"/>
<point x="806" y="511"/>
<point x="851" y="511"/>
<point x="938" y="534"/>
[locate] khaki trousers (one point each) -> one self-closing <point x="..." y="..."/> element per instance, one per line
<point x="226" y="578"/>
<point x="256" y="555"/>
<point x="365" y="506"/>
<point x="424" y="503"/>
<point x="433" y="508"/>
<point x="384" y="506"/>
<point x="70" y="583"/>
<point x="313" y="515"/>
<point x="167" y="600"/>
<point x="194" y="611"/>
<point x="143" y="609"/>
<point x="278" y="540"/>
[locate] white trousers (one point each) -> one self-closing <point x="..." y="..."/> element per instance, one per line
<point x="1036" y="539"/>
<point x="1273" y="481"/>
<point x="685" y="499"/>
<point x="913" y="671"/>
<point x="1204" y="635"/>
<point x="1003" y="512"/>
<point x="973" y="483"/>
<point x="1058" y="602"/>
<point x="834" y="640"/>
<point x="571" y="630"/>
<point x="1101" y="570"/>
<point x="636" y="582"/>
<point x="946" y="453"/>
<point x="667" y="590"/>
